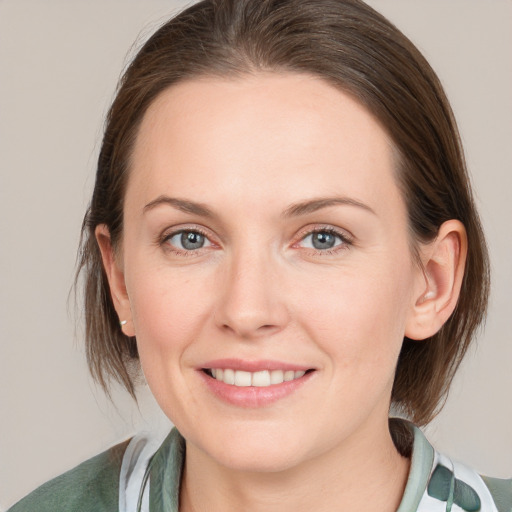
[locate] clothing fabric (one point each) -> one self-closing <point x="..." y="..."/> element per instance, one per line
<point x="144" y="475"/>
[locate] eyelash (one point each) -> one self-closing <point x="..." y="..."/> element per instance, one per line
<point x="346" y="240"/>
<point x="166" y="237"/>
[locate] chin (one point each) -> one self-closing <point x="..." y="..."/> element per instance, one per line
<point x="254" y="450"/>
<point x="259" y="459"/>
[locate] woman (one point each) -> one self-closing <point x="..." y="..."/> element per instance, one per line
<point x="282" y="230"/>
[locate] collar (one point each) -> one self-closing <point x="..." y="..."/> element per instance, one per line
<point x="423" y="492"/>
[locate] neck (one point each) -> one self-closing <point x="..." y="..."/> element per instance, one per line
<point x="364" y="473"/>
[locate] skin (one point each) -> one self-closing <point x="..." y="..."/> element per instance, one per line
<point x="249" y="149"/>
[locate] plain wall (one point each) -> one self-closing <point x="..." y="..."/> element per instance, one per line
<point x="59" y="63"/>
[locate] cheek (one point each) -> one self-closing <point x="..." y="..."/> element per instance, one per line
<point x="167" y="308"/>
<point x="359" y="316"/>
<point x="168" y="312"/>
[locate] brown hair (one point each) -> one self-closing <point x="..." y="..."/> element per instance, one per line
<point x="354" y="48"/>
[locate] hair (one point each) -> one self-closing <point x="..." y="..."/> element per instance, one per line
<point x="354" y="48"/>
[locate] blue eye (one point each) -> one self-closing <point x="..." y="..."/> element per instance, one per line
<point x="322" y="240"/>
<point x="188" y="240"/>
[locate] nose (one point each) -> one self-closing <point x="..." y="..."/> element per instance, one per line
<point x="251" y="299"/>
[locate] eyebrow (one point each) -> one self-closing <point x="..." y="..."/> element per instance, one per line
<point x="294" y="210"/>
<point x="180" y="204"/>
<point x="313" y="205"/>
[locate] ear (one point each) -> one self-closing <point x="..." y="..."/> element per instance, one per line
<point x="438" y="288"/>
<point x="115" y="276"/>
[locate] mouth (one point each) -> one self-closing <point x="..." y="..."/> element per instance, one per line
<point x="254" y="384"/>
<point x="260" y="379"/>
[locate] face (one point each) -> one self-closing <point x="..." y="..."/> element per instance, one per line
<point x="267" y="267"/>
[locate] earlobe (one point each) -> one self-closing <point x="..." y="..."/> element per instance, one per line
<point x="438" y="291"/>
<point x="115" y="276"/>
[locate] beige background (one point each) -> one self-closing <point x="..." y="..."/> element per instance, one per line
<point x="59" y="62"/>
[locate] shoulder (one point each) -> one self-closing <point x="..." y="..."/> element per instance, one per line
<point x="454" y="482"/>
<point x="501" y="491"/>
<point x="437" y="483"/>
<point x="92" y="486"/>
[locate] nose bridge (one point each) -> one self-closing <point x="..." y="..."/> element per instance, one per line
<point x="251" y="302"/>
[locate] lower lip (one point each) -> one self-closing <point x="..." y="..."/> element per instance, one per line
<point x="253" y="396"/>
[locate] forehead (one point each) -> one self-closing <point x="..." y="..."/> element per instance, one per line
<point x="260" y="133"/>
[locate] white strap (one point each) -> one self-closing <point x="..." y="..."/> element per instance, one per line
<point x="135" y="461"/>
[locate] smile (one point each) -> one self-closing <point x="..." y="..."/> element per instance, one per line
<point x="254" y="384"/>
<point x="264" y="378"/>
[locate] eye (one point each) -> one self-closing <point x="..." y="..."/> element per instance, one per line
<point x="323" y="240"/>
<point x="188" y="240"/>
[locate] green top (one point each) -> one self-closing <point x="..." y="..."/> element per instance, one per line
<point x="435" y="483"/>
<point x="91" y="486"/>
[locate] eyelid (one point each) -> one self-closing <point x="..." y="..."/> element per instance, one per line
<point x="180" y="233"/>
<point x="169" y="233"/>
<point x="345" y="236"/>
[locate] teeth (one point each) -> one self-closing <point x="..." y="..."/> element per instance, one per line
<point x="276" y="377"/>
<point x="262" y="378"/>
<point x="229" y="376"/>
<point x="289" y="375"/>
<point x="242" y="379"/>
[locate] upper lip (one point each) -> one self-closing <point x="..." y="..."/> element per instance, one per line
<point x="253" y="366"/>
